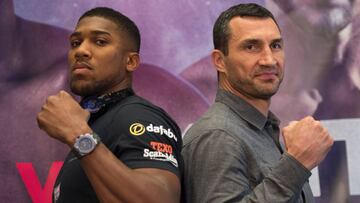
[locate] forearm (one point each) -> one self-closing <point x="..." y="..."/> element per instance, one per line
<point x="283" y="184"/>
<point x="113" y="181"/>
<point x="235" y="174"/>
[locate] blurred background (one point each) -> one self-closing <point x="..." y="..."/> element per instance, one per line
<point x="322" y="78"/>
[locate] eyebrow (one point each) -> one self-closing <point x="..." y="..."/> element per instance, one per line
<point x="258" y="41"/>
<point x="251" y="41"/>
<point x="279" y="40"/>
<point x="254" y="40"/>
<point x="95" y="32"/>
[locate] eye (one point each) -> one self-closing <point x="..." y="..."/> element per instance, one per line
<point x="251" y="47"/>
<point x="75" y="43"/>
<point x="101" y="42"/>
<point x="277" y="46"/>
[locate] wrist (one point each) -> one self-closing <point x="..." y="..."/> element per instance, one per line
<point x="306" y="162"/>
<point x="85" y="144"/>
<point x="74" y="134"/>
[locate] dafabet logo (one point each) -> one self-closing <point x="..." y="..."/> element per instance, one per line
<point x="137" y="129"/>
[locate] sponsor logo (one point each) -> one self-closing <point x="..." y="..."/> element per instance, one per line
<point x="137" y="129"/>
<point x="156" y="155"/>
<point x="161" y="147"/>
<point x="161" y="130"/>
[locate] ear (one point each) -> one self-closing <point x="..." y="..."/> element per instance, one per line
<point x="132" y="61"/>
<point x="218" y="58"/>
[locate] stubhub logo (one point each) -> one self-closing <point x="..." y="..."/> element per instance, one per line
<point x="161" y="130"/>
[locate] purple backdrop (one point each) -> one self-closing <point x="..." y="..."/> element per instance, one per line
<point x="322" y="42"/>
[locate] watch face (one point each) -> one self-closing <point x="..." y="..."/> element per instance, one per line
<point x="86" y="144"/>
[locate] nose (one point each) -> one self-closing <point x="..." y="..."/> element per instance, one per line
<point x="83" y="51"/>
<point x="267" y="58"/>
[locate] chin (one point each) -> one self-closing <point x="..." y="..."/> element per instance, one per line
<point x="267" y="93"/>
<point x="265" y="96"/>
<point x="82" y="90"/>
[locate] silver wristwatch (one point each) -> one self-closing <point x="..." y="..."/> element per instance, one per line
<point x="86" y="143"/>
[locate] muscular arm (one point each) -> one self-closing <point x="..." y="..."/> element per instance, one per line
<point x="220" y="169"/>
<point x="62" y="118"/>
<point x="115" y="182"/>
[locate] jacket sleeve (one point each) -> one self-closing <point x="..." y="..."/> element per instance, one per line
<point x="216" y="170"/>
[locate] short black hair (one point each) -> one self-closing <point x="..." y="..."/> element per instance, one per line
<point x="123" y="22"/>
<point x="221" y="31"/>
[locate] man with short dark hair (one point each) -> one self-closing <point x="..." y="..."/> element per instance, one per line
<point x="233" y="153"/>
<point x="124" y="149"/>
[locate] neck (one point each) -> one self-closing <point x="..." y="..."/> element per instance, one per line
<point x="124" y="84"/>
<point x="262" y="105"/>
<point x="126" y="90"/>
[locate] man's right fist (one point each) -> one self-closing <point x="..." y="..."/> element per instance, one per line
<point x="307" y="141"/>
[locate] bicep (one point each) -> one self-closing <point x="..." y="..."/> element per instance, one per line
<point x="168" y="183"/>
<point x="147" y="140"/>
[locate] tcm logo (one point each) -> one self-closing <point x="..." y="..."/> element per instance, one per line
<point x="139" y="129"/>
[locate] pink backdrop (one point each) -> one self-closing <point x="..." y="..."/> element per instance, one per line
<point x="322" y="42"/>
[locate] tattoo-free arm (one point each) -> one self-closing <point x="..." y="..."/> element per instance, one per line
<point x="113" y="181"/>
<point x="62" y="118"/>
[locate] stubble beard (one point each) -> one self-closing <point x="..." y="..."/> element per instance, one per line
<point x="257" y="90"/>
<point x="88" y="88"/>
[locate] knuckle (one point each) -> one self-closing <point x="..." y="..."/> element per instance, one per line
<point x="50" y="98"/>
<point x="285" y="130"/>
<point x="317" y="125"/>
<point x="44" y="108"/>
<point x="292" y="122"/>
<point x="39" y="120"/>
<point x="329" y="140"/>
<point x="63" y="93"/>
<point x="326" y="132"/>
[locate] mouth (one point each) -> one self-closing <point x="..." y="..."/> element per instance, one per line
<point x="79" y="66"/>
<point x="267" y="75"/>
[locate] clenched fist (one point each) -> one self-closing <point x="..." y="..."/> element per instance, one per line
<point x="307" y="141"/>
<point x="62" y="118"/>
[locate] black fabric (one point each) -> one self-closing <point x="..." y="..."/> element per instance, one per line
<point x="97" y="104"/>
<point x="156" y="145"/>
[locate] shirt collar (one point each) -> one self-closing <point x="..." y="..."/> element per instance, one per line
<point x="245" y="110"/>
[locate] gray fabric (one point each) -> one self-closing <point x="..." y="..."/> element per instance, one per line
<point x="231" y="156"/>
